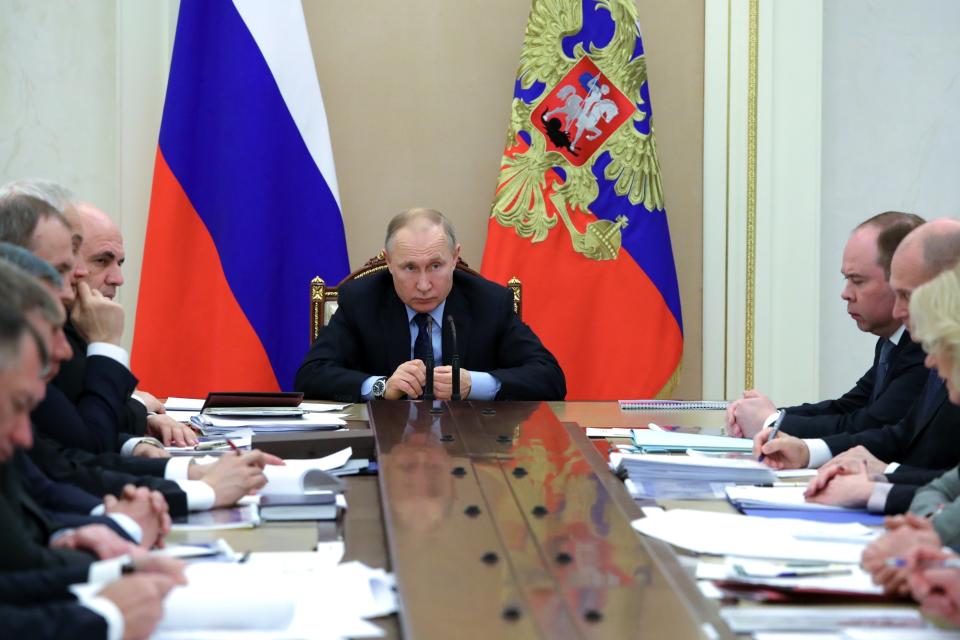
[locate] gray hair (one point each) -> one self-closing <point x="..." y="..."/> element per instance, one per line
<point x="935" y="317"/>
<point x="25" y="294"/>
<point x="12" y="327"/>
<point x="56" y="195"/>
<point x="19" y="215"/>
<point x="29" y="262"/>
<point x="430" y="216"/>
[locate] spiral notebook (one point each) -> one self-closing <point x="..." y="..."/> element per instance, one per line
<point x="673" y="405"/>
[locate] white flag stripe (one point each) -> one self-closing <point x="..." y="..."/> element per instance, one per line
<point x="280" y="31"/>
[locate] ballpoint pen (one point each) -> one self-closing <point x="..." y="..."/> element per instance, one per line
<point x="776" y="430"/>
<point x="948" y="563"/>
<point x="233" y="446"/>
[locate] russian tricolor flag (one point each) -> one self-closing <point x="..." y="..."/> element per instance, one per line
<point x="244" y="209"/>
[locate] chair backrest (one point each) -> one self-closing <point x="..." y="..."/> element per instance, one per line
<point x="323" y="298"/>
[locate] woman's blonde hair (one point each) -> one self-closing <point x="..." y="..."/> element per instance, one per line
<point x="935" y="318"/>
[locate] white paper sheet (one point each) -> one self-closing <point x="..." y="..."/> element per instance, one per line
<point x="294" y="477"/>
<point x="752" y="537"/>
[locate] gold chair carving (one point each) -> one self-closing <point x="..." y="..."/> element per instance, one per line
<point x="323" y="298"/>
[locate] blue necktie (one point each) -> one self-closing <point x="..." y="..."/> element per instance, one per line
<point x="423" y="345"/>
<point x="883" y="365"/>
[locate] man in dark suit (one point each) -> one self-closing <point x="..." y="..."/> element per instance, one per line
<point x="884" y="394"/>
<point x="388" y="324"/>
<point x="882" y="468"/>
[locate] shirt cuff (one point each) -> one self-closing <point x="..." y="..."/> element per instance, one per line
<point x="770" y="419"/>
<point x="108" y="350"/>
<point x="483" y="386"/>
<point x="178" y="468"/>
<point x="122" y="520"/>
<point x="367" y="387"/>
<point x="877" y="503"/>
<point x="893" y="466"/>
<point x="129" y="445"/>
<point x="104" y="571"/>
<point x="109" y="612"/>
<point x="819" y="452"/>
<point x="200" y="495"/>
<point x="138" y="399"/>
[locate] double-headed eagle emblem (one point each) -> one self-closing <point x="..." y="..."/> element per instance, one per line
<point x="587" y="108"/>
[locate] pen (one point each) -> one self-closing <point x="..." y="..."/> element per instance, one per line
<point x="776" y="430"/>
<point x="233" y="446"/>
<point x="949" y="563"/>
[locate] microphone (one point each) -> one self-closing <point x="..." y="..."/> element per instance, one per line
<point x="428" y="388"/>
<point x="454" y="359"/>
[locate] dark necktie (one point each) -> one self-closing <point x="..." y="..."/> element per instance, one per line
<point x="423" y="345"/>
<point x="883" y="365"/>
<point x="931" y="393"/>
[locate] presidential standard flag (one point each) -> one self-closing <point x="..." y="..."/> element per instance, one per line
<point x="579" y="213"/>
<point x="244" y="209"/>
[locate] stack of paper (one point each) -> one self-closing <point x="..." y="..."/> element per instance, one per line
<point x="310" y="421"/>
<point x="776" y="498"/>
<point x="816" y="619"/>
<point x="278" y="596"/>
<point x="653" y="441"/>
<point x="687" y="468"/>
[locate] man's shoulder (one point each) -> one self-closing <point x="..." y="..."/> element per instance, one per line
<point x="367" y="285"/>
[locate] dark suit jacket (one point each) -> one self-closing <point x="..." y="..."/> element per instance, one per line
<point x="370" y="335"/>
<point x="854" y="412"/>
<point x="106" y="473"/>
<point x="25" y="530"/>
<point x="54" y="620"/>
<point x="82" y="379"/>
<point x="925" y="443"/>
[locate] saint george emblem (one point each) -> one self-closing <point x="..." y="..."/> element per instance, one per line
<point x="581" y="112"/>
<point x="580" y="115"/>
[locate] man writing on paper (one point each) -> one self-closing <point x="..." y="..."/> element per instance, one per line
<point x="387" y="324"/>
<point x="887" y="390"/>
<point x="921" y="446"/>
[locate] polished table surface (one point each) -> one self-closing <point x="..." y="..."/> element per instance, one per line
<point x="610" y="583"/>
<point x="503" y="523"/>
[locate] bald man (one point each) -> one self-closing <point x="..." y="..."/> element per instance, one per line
<point x="101" y="250"/>
<point x="882" y="468"/>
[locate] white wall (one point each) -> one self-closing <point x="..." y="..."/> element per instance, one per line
<point x="891" y="140"/>
<point x="81" y="95"/>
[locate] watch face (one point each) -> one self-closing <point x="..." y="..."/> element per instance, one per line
<point x="379" y="387"/>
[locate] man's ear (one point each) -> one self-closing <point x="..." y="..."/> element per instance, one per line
<point x="386" y="256"/>
<point x="456" y="254"/>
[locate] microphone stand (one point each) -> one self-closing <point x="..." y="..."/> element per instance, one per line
<point x="454" y="359"/>
<point x="428" y="388"/>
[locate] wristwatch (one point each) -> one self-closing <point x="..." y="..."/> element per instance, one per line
<point x="379" y="388"/>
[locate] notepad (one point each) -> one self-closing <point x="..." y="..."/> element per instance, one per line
<point x="776" y="498"/>
<point x="651" y="441"/>
<point x="673" y="405"/>
<point x="690" y="468"/>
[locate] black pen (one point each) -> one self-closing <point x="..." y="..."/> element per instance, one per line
<point x="776" y="430"/>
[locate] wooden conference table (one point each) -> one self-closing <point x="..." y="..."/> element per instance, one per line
<point x="500" y="520"/>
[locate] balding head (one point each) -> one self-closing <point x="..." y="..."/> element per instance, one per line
<point x="926" y="251"/>
<point x="102" y="250"/>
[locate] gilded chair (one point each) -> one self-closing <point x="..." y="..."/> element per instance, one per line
<point x="323" y="298"/>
